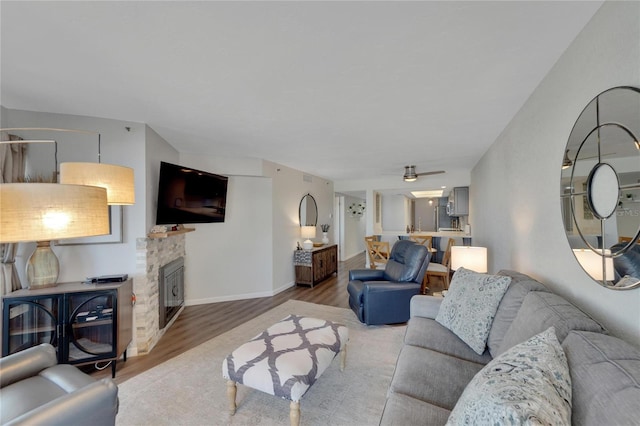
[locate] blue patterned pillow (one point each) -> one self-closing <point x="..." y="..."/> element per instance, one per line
<point x="471" y="304"/>
<point x="529" y="384"/>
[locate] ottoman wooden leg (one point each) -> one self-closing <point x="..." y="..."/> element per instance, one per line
<point x="294" y="413"/>
<point x="343" y="357"/>
<point x="231" y="395"/>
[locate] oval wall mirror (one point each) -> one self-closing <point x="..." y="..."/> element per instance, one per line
<point x="308" y="211"/>
<point x="600" y="188"/>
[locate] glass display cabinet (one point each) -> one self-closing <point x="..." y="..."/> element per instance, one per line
<point x="86" y="323"/>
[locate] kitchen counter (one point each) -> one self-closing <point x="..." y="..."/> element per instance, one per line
<point x="450" y="234"/>
<point x="460" y="237"/>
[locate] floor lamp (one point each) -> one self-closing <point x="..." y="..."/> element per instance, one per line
<point x="117" y="180"/>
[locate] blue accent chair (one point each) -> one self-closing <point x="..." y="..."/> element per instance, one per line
<point x="383" y="296"/>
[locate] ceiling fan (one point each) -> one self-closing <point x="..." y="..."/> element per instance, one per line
<point x="410" y="174"/>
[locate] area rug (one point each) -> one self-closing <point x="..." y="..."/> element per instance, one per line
<point x="189" y="389"/>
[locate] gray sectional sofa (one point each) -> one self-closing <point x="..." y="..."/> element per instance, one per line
<point x="435" y="366"/>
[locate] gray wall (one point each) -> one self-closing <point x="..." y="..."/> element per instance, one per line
<point x="515" y="187"/>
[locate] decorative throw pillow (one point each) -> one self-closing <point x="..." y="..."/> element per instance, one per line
<point x="529" y="384"/>
<point x="471" y="304"/>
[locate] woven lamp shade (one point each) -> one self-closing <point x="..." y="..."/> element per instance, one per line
<point x="117" y="180"/>
<point x="51" y="211"/>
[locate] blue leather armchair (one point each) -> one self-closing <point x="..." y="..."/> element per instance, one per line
<point x="383" y="296"/>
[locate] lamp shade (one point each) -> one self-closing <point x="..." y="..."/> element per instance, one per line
<point x="308" y="232"/>
<point x="473" y="258"/>
<point x="51" y="211"/>
<point x="591" y="262"/>
<point x="117" y="180"/>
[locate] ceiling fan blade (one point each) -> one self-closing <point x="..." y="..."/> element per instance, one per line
<point x="410" y="174"/>
<point x="430" y="173"/>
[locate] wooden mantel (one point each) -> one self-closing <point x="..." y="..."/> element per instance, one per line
<point x="169" y="233"/>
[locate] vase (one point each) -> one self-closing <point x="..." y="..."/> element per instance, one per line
<point x="325" y="238"/>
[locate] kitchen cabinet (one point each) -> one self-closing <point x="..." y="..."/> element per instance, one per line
<point x="458" y="204"/>
<point x="86" y="323"/>
<point x="313" y="266"/>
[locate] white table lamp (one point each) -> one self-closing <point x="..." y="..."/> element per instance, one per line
<point x="307" y="232"/>
<point x="472" y="258"/>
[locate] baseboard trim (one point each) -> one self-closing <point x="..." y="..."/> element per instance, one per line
<point x="232" y="297"/>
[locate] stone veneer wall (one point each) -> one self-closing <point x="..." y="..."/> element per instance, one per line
<point x="151" y="254"/>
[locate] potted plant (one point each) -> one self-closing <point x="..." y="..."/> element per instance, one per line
<point x="325" y="229"/>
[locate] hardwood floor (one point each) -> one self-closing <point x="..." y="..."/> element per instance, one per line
<point x="197" y="324"/>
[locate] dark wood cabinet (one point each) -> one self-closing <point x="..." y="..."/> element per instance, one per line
<point x="313" y="266"/>
<point x="86" y="323"/>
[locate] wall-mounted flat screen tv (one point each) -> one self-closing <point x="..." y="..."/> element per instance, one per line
<point x="187" y="195"/>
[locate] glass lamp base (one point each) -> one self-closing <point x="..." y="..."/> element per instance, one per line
<point x="43" y="266"/>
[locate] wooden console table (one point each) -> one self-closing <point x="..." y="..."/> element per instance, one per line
<point x="313" y="266"/>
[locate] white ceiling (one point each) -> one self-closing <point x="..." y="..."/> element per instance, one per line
<point x="341" y="90"/>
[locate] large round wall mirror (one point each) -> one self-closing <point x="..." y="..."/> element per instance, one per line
<point x="600" y="188"/>
<point x="308" y="211"/>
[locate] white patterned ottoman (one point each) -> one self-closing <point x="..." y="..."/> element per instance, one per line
<point x="286" y="359"/>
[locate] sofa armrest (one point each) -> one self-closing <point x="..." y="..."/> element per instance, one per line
<point x="26" y="363"/>
<point x="95" y="404"/>
<point x="425" y="306"/>
<point x="366" y="274"/>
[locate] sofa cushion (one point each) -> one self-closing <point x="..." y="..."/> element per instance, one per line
<point x="403" y="410"/>
<point x="528" y="384"/>
<point x="605" y="372"/>
<point x="425" y="306"/>
<point x="429" y="334"/>
<point x="509" y="306"/>
<point x="541" y="310"/>
<point x="470" y="306"/>
<point x="431" y="376"/>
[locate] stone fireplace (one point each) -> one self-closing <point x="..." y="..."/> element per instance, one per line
<point x="171" y="288"/>
<point x="151" y="255"/>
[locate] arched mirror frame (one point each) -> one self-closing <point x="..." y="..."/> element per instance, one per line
<point x="308" y="210"/>
<point x="602" y="152"/>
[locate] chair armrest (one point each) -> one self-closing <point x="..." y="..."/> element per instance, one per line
<point x="26" y="363"/>
<point x="372" y="287"/>
<point x="425" y="306"/>
<point x="366" y="274"/>
<point x="386" y="302"/>
<point x="95" y="404"/>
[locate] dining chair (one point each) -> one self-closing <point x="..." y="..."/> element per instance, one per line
<point x="378" y="253"/>
<point x="421" y="239"/>
<point x="440" y="270"/>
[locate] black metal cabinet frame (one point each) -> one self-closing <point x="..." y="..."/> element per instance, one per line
<point x="82" y="325"/>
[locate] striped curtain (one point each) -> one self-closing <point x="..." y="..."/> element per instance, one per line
<point x="12" y="168"/>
